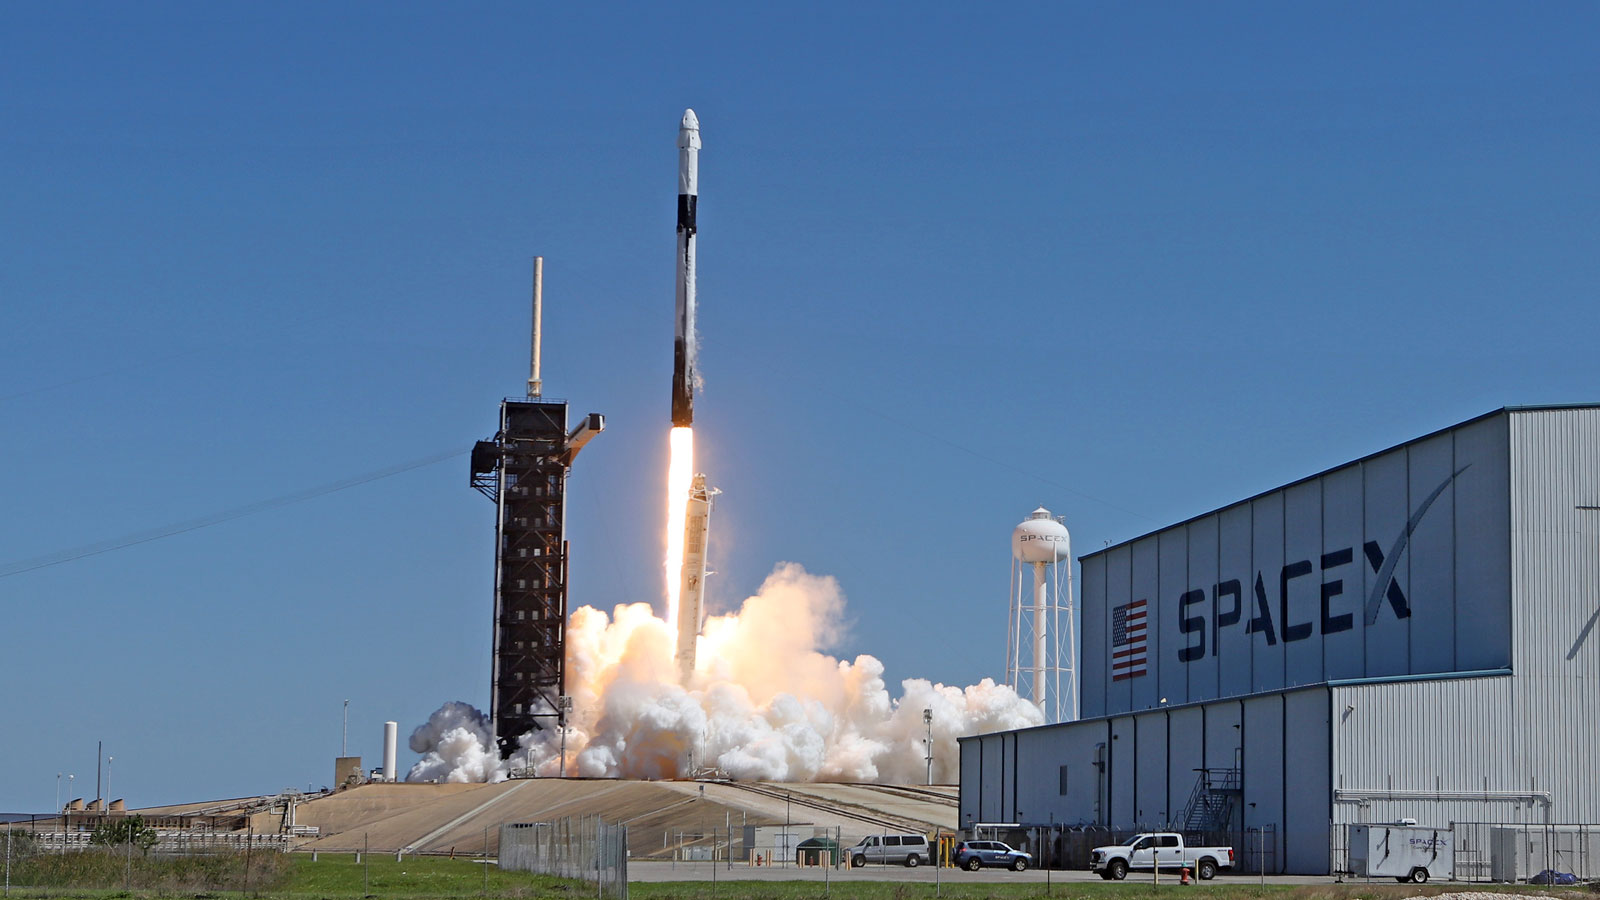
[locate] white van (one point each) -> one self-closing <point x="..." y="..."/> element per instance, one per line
<point x="910" y="850"/>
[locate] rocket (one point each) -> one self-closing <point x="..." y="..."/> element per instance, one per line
<point x="691" y="599"/>
<point x="684" y="343"/>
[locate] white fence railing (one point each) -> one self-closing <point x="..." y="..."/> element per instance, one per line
<point x="169" y="841"/>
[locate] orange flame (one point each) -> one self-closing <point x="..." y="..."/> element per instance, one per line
<point x="680" y="475"/>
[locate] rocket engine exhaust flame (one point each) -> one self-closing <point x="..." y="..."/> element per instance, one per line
<point x="680" y="475"/>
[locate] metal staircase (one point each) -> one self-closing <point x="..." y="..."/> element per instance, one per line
<point x="1210" y="805"/>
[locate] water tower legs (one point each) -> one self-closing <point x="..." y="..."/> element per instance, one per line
<point x="1040" y="638"/>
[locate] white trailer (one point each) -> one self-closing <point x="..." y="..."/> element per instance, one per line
<point x="1408" y="852"/>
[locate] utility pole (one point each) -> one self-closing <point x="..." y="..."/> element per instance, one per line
<point x="1049" y="844"/>
<point x="927" y="743"/>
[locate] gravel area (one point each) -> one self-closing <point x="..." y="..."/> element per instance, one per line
<point x="1477" y="895"/>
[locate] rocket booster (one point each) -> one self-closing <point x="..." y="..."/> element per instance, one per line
<point x="684" y="342"/>
<point x="691" y="599"/>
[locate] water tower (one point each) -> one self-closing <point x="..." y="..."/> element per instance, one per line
<point x="1039" y="633"/>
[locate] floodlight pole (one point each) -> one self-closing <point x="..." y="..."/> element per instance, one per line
<point x="564" y="702"/>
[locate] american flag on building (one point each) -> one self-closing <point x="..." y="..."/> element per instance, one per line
<point x="1127" y="641"/>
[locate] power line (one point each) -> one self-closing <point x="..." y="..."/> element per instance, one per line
<point x="217" y="518"/>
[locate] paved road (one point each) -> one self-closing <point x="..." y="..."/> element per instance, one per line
<point x="650" y="870"/>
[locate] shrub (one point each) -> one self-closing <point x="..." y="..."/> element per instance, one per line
<point x="127" y="830"/>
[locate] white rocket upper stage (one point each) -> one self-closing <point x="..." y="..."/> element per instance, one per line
<point x="689" y="154"/>
<point x="683" y="348"/>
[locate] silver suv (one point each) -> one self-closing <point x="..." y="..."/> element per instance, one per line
<point x="910" y="850"/>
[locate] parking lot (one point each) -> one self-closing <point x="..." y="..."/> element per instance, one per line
<point x="654" y="871"/>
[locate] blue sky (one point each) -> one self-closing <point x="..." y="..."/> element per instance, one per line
<point x="1128" y="261"/>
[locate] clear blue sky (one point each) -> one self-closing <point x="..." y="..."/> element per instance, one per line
<point x="1128" y="261"/>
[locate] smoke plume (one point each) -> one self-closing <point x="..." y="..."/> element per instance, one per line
<point x="765" y="703"/>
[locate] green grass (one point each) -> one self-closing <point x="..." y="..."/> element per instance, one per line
<point x="340" y="877"/>
<point x="274" y="875"/>
<point x="110" y="869"/>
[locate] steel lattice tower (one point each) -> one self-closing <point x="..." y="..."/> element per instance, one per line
<point x="523" y="469"/>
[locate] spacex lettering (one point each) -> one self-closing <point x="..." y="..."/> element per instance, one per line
<point x="1231" y="600"/>
<point x="1025" y="537"/>
<point x="1261" y="619"/>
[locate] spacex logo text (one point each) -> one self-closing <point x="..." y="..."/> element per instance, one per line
<point x="1232" y="600"/>
<point x="1231" y="593"/>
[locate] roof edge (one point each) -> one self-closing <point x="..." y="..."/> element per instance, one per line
<point x="1235" y="698"/>
<point x="1504" y="410"/>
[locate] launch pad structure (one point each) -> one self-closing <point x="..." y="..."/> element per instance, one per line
<point x="524" y="469"/>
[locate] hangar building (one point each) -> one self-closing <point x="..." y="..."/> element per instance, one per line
<point x="1413" y="634"/>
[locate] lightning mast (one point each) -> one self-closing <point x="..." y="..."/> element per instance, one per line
<point x="524" y="469"/>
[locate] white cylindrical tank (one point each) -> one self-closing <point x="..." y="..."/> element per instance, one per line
<point x="1041" y="539"/>
<point x="391" y="737"/>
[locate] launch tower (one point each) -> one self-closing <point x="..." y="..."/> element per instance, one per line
<point x="524" y="469"/>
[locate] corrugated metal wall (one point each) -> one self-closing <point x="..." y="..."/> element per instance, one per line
<point x="1556" y="582"/>
<point x="1453" y="735"/>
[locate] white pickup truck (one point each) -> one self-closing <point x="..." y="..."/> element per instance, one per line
<point x="1163" y="850"/>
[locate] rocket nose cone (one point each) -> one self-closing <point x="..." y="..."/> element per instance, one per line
<point x="689" y="131"/>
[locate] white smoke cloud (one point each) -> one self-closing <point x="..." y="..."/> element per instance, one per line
<point x="457" y="744"/>
<point x="765" y="702"/>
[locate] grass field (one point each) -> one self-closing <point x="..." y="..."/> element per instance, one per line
<point x="378" y="875"/>
<point x="340" y="877"/>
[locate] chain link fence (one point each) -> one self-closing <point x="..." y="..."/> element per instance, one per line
<point x="585" y="847"/>
<point x="1069" y="847"/>
<point x="1509" y="853"/>
<point x="1504" y="852"/>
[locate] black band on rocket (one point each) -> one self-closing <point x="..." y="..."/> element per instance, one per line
<point x="686" y="205"/>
